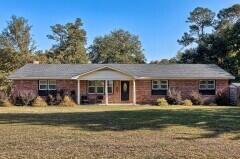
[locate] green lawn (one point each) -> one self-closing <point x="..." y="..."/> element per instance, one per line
<point x="120" y="132"/>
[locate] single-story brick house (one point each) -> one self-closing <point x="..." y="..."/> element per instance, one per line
<point x="126" y="83"/>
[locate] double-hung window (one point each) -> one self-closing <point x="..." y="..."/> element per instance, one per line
<point x="207" y="87"/>
<point x="98" y="87"/>
<point x="47" y="85"/>
<point x="43" y="85"/>
<point x="51" y="84"/>
<point x="159" y="87"/>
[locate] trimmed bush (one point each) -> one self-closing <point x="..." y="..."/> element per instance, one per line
<point x="24" y="97"/>
<point x="174" y="97"/>
<point x="67" y="102"/>
<point x="59" y="99"/>
<point x="6" y="103"/>
<point x="222" y="99"/>
<point x="187" y="102"/>
<point x="39" y="102"/>
<point x="196" y="98"/>
<point x="50" y="100"/>
<point x="4" y="100"/>
<point x="162" y="102"/>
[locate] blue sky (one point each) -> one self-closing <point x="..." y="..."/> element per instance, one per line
<point x="158" y="23"/>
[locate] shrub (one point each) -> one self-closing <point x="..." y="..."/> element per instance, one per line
<point x="58" y="99"/>
<point x="2" y="98"/>
<point x="174" y="97"/>
<point x="50" y="100"/>
<point x="26" y="97"/>
<point x="6" y="103"/>
<point x="39" y="102"/>
<point x="187" y="102"/>
<point x="67" y="102"/>
<point x="162" y="102"/>
<point x="222" y="98"/>
<point x="196" y="98"/>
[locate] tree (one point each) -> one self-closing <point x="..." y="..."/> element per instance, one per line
<point x="17" y="36"/>
<point x="70" y="43"/>
<point x="199" y="19"/>
<point x="164" y="61"/>
<point x="9" y="62"/>
<point x="117" y="47"/>
<point x="16" y="48"/>
<point x="228" y="17"/>
<point x="221" y="46"/>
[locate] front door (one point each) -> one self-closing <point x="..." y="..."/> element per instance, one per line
<point x="124" y="90"/>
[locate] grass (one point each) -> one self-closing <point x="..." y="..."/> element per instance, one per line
<point x="120" y="132"/>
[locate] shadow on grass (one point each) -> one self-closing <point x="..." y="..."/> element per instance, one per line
<point x="218" y="121"/>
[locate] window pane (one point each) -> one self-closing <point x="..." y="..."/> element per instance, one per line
<point x="100" y="90"/>
<point x="203" y="82"/>
<point x="91" y="83"/>
<point x="52" y="82"/>
<point x="99" y="83"/>
<point x="211" y="82"/>
<point x="110" y="83"/>
<point x="155" y="86"/>
<point x="203" y="86"/>
<point x="43" y="87"/>
<point x="163" y="86"/>
<point x="91" y="89"/>
<point x="52" y="87"/>
<point x="110" y="90"/>
<point x="211" y="86"/>
<point x="155" y="82"/>
<point x="163" y="82"/>
<point x="43" y="82"/>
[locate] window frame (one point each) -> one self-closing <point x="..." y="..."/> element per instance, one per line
<point x="159" y="85"/>
<point x="110" y="86"/>
<point x="52" y="85"/>
<point x="47" y="85"/>
<point x="98" y="86"/>
<point x="207" y="84"/>
<point x="39" y="85"/>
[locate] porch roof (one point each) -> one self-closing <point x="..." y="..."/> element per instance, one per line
<point x="136" y="71"/>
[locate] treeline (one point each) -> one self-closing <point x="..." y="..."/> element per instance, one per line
<point x="17" y="47"/>
<point x="212" y="38"/>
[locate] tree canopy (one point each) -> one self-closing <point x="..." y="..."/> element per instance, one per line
<point x="117" y="47"/>
<point x="220" y="46"/>
<point x="17" y="37"/>
<point x="70" y="43"/>
<point x="16" y="48"/>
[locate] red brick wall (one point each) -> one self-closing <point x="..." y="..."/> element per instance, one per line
<point x="67" y="85"/>
<point x="143" y="88"/>
<point x="30" y="85"/>
<point x="144" y="92"/>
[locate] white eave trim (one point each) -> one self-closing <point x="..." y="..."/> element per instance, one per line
<point x="186" y="78"/>
<point x="101" y="68"/>
<point x="36" y="78"/>
<point x="137" y="78"/>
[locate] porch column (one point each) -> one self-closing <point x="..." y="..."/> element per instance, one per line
<point x="134" y="92"/>
<point x="106" y="92"/>
<point x="78" y="92"/>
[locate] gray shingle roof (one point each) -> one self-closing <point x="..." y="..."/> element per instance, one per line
<point x="170" y="71"/>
